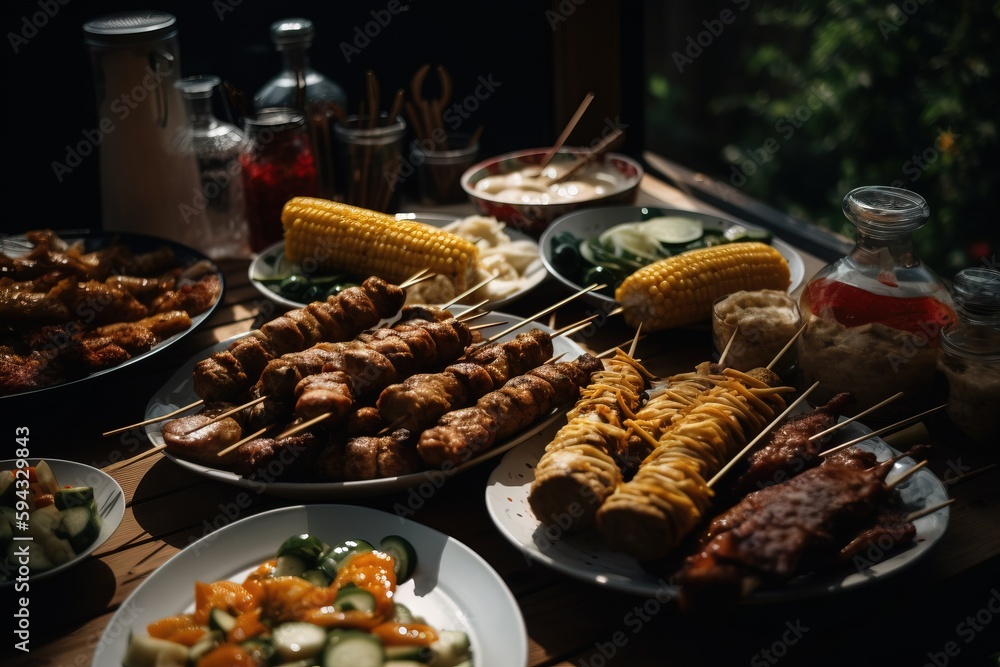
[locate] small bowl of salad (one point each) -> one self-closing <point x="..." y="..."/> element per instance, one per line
<point x="606" y="245"/>
<point x="55" y="513"/>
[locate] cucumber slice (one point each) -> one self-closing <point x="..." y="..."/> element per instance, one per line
<point x="296" y="640"/>
<point x="290" y="565"/>
<point x="630" y="239"/>
<point x="77" y="496"/>
<point x="208" y="643"/>
<point x="402" y="614"/>
<point x="451" y="649"/>
<point x="316" y="577"/>
<point x="221" y="620"/>
<point x="353" y="598"/>
<point x="404" y="556"/>
<point x="80" y="525"/>
<point x="46" y="478"/>
<point x="146" y="651"/>
<point x="353" y="648"/>
<point x="331" y="561"/>
<point x="305" y="546"/>
<point x="408" y="654"/>
<point x="673" y="229"/>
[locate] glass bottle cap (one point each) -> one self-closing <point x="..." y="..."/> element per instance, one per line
<point x="977" y="294"/>
<point x="292" y="32"/>
<point x="197" y="87"/>
<point x="885" y="210"/>
<point x="130" y="28"/>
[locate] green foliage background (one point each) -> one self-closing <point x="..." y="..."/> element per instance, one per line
<point x="808" y="100"/>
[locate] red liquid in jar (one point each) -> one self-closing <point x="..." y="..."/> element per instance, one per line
<point x="852" y="307"/>
<point x="269" y="182"/>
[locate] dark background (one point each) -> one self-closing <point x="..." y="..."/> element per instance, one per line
<point x="50" y="101"/>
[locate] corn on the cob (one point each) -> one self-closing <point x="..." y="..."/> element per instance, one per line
<point x="340" y="237"/>
<point x="679" y="290"/>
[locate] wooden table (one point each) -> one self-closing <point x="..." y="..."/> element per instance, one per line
<point x="927" y="614"/>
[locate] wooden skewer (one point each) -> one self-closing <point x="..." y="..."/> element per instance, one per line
<point x="725" y="351"/>
<point x="781" y="352"/>
<point x="882" y="430"/>
<point x="255" y="434"/>
<point x="227" y="413"/>
<point x="971" y="473"/>
<point x="471" y="290"/>
<point x="635" y="341"/>
<point x="298" y="428"/>
<point x="389" y="428"/>
<point x="155" y="419"/>
<point x="593" y="154"/>
<point x="839" y="425"/>
<point x="138" y="457"/>
<point x="906" y="474"/>
<point x="406" y="283"/>
<point x="760" y="435"/>
<point x="417" y="281"/>
<point x="465" y="317"/>
<point x="577" y="115"/>
<point x="571" y="329"/>
<point x="611" y="350"/>
<point x="555" y="358"/>
<point x="918" y="514"/>
<point x="486" y="325"/>
<point x="546" y="311"/>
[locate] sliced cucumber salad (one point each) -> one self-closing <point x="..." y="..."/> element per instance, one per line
<point x="624" y="248"/>
<point x="313" y="605"/>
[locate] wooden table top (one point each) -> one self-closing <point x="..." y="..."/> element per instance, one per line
<point x="937" y="611"/>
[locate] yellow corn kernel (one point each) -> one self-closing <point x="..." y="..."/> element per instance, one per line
<point x="333" y="236"/>
<point x="679" y="290"/>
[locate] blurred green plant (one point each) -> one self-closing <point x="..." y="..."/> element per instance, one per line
<point x="834" y="95"/>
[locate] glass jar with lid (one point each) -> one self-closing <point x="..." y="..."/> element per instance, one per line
<point x="873" y="319"/>
<point x="970" y="355"/>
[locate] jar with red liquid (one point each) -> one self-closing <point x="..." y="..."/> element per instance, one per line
<point x="277" y="164"/>
<point x="873" y="319"/>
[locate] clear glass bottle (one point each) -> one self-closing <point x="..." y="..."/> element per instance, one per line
<point x="217" y="146"/>
<point x="277" y="163"/>
<point x="299" y="86"/>
<point x="873" y="318"/>
<point x="970" y="355"/>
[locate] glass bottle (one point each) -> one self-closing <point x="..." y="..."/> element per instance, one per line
<point x="873" y="318"/>
<point x="277" y="163"/>
<point x="219" y="204"/>
<point x="970" y="355"/>
<point x="299" y="86"/>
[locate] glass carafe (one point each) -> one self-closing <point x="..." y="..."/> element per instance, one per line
<point x="298" y="86"/>
<point x="216" y="145"/>
<point x="970" y="355"/>
<point x="873" y="318"/>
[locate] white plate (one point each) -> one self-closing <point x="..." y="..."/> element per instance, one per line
<point x="178" y="391"/>
<point x="452" y="586"/>
<point x="588" y="558"/>
<point x="271" y="262"/>
<point x="589" y="223"/>
<point x="108" y="494"/>
<point x="138" y="243"/>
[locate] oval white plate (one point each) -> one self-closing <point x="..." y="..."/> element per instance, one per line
<point x="589" y="223"/>
<point x="178" y="391"/>
<point x="271" y="262"/>
<point x="107" y="492"/>
<point x="588" y="558"/>
<point x="452" y="587"/>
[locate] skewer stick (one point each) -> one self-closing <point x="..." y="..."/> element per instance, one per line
<point x="138" y="457"/>
<point x="255" y="434"/>
<point x="227" y="413"/>
<point x="555" y="358"/>
<point x="406" y="283"/>
<point x="486" y="325"/>
<point x="566" y="132"/>
<point x="465" y="317"/>
<point x="913" y="516"/>
<point x="781" y="353"/>
<point x="545" y="312"/>
<point x="861" y="414"/>
<point x="303" y="426"/>
<point x="416" y="281"/>
<point x="725" y="350"/>
<point x="570" y="329"/>
<point x="906" y="474"/>
<point x="389" y="428"/>
<point x="760" y="435"/>
<point x="971" y="473"/>
<point x="471" y="290"/>
<point x="882" y="430"/>
<point x="635" y="341"/>
<point x="155" y="419"/>
<point x="611" y="350"/>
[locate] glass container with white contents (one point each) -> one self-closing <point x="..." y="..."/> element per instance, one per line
<point x="970" y="355"/>
<point x="873" y="318"/>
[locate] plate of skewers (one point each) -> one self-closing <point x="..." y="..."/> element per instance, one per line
<point x="349" y="457"/>
<point x="821" y="505"/>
